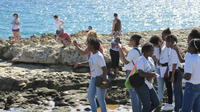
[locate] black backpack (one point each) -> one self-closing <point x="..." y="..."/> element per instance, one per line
<point x="135" y="80"/>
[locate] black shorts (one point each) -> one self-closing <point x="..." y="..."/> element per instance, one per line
<point x="114" y="58"/>
<point x="57" y="32"/>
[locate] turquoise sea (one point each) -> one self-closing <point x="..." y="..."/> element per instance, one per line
<point x="136" y="15"/>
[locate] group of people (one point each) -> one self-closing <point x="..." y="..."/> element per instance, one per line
<point x="160" y="59"/>
<point x="160" y="62"/>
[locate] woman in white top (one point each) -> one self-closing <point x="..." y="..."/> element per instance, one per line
<point x="58" y="24"/>
<point x="114" y="54"/>
<point x="16" y="28"/>
<point x="97" y="68"/>
<point x="129" y="62"/>
<point x="146" y="69"/>
<point x="191" y="99"/>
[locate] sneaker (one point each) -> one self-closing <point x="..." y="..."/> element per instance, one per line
<point x="167" y="107"/>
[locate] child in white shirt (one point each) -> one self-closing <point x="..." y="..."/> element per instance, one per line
<point x="191" y="99"/>
<point x="175" y="75"/>
<point x="129" y="61"/>
<point x="157" y="43"/>
<point x="146" y="69"/>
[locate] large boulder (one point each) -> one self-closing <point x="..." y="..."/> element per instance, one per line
<point x="44" y="50"/>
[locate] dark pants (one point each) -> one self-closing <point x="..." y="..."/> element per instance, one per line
<point x="114" y="58"/>
<point x="178" y="91"/>
<point x="177" y="87"/>
<point x="168" y="84"/>
<point x="148" y="97"/>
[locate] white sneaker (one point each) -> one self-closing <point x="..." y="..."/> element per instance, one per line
<point x="167" y="107"/>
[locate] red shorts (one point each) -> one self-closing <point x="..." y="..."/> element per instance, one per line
<point x="15" y="30"/>
<point x="66" y="37"/>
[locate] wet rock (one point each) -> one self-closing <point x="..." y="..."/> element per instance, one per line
<point x="47" y="92"/>
<point x="8" y="84"/>
<point x="61" y="103"/>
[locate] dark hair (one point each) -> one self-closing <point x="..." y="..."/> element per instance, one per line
<point x="15" y="14"/>
<point x="136" y="38"/>
<point x="115" y="14"/>
<point x="155" y="40"/>
<point x="55" y="16"/>
<point x="194" y="34"/>
<point x="90" y="27"/>
<point x="94" y="42"/>
<point x="147" y="47"/>
<point x="166" y="32"/>
<point x="171" y="38"/>
<point x="195" y="43"/>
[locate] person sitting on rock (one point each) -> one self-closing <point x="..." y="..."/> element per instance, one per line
<point x="64" y="38"/>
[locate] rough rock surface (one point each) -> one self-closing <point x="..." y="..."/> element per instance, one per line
<point x="43" y="86"/>
<point x="46" y="50"/>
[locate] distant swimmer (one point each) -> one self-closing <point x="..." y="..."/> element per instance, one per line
<point x="117" y="26"/>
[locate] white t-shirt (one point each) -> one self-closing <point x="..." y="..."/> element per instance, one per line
<point x="15" y="22"/>
<point x="164" y="58"/>
<point x="156" y="53"/>
<point x="146" y="65"/>
<point x="96" y="62"/>
<point x="58" y="24"/>
<point x="132" y="56"/>
<point x="116" y="45"/>
<point x="173" y="59"/>
<point x="187" y="54"/>
<point x="192" y="66"/>
<point x="164" y="54"/>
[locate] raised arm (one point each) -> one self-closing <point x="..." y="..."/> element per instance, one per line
<point x="123" y="59"/>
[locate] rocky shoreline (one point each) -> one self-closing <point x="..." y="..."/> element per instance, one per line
<point x="36" y="74"/>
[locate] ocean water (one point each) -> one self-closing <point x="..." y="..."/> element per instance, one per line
<point x="136" y="15"/>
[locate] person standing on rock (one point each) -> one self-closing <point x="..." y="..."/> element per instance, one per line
<point x="58" y="24"/>
<point x="114" y="54"/>
<point x="16" y="28"/>
<point x="191" y="98"/>
<point x="129" y="61"/>
<point x="116" y="26"/>
<point x="98" y="68"/>
<point x="146" y="69"/>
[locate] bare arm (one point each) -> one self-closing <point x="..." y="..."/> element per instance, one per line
<point x="124" y="50"/>
<point x="81" y="64"/>
<point x="84" y="51"/>
<point x="173" y="71"/>
<point x="145" y="74"/>
<point x="113" y="25"/>
<point x="104" y="71"/>
<point x="176" y="48"/>
<point x="61" y="22"/>
<point x="123" y="59"/>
